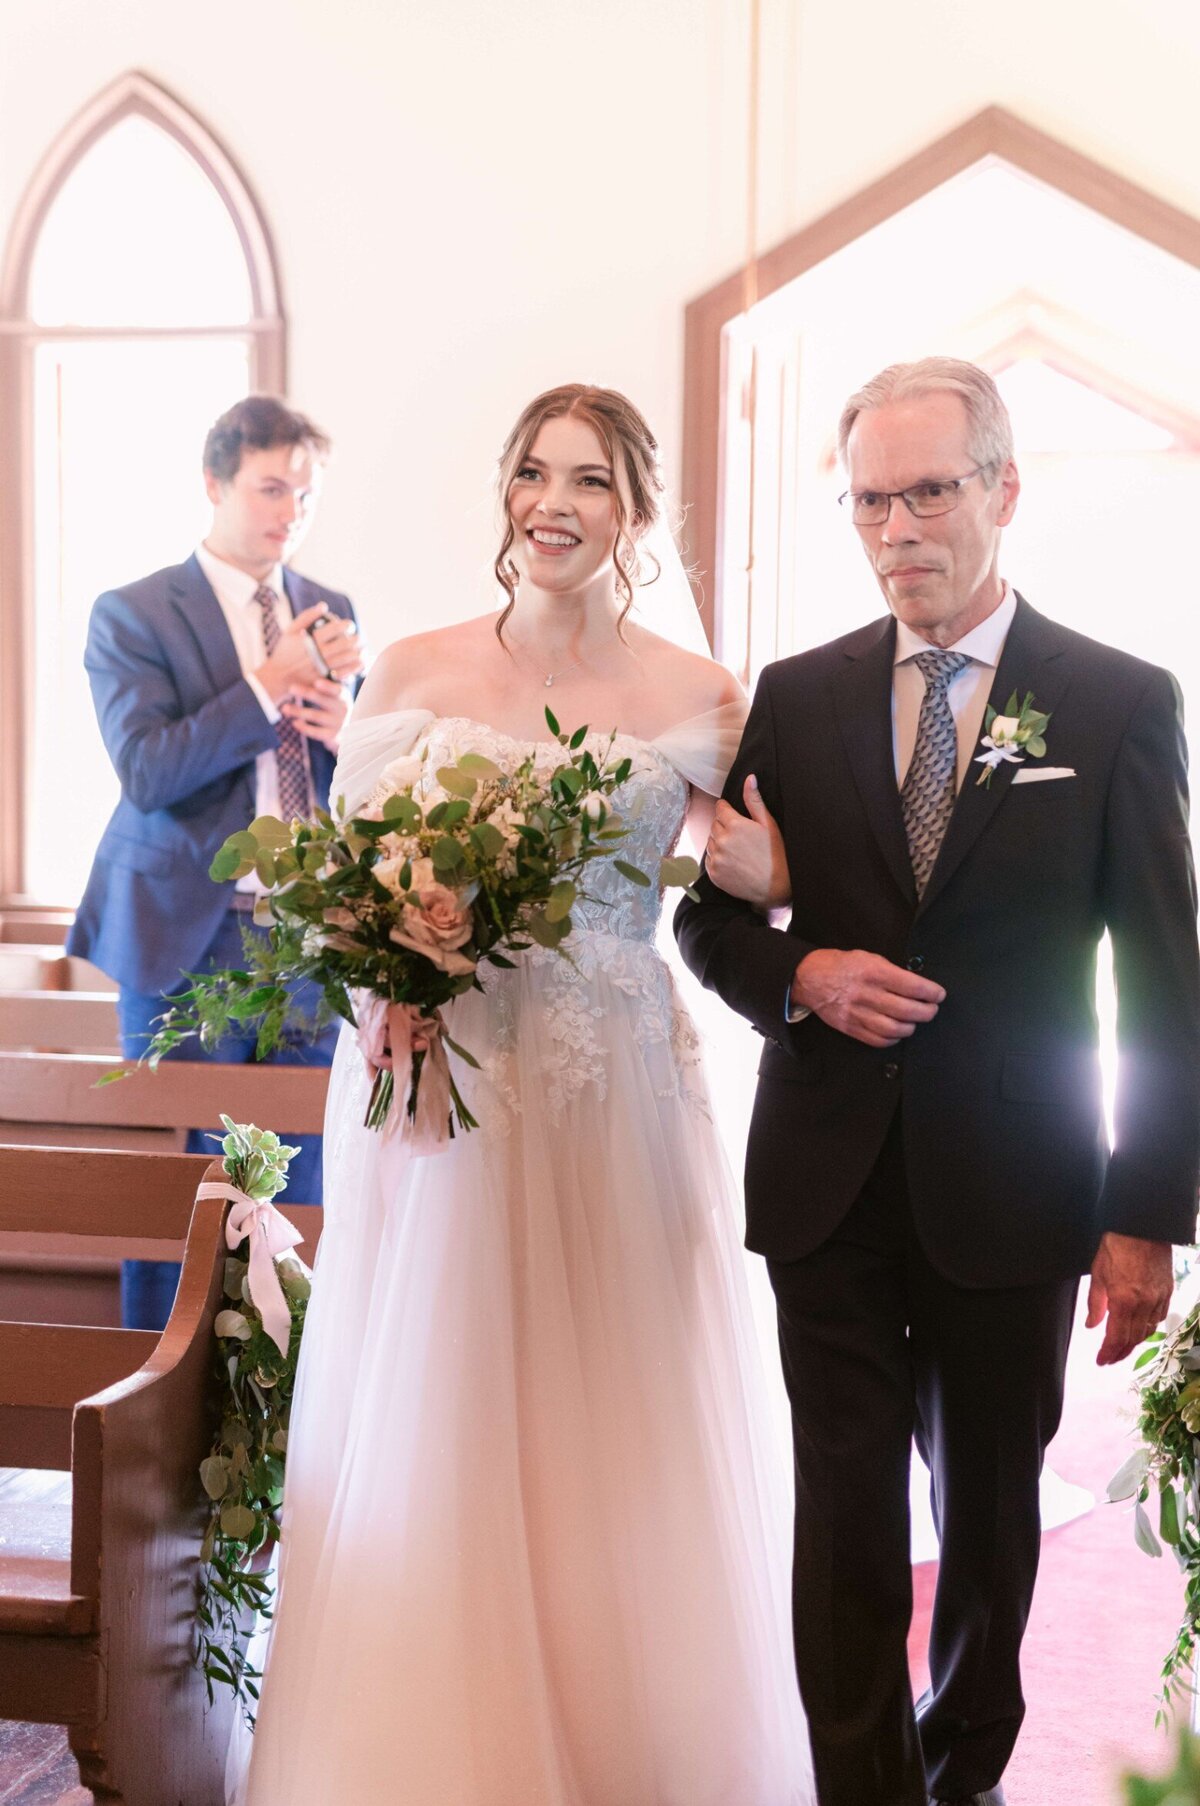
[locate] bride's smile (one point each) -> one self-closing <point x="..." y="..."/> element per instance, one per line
<point x="563" y="514"/>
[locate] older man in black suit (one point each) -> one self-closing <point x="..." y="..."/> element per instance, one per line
<point x="928" y="1172"/>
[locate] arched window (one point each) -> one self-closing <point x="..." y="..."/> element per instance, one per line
<point x="139" y="301"/>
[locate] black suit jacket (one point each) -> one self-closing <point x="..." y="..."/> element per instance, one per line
<point x="1009" y="1173"/>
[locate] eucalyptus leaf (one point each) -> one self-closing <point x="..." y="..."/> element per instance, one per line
<point x="447" y="856"/>
<point x="237" y="1521"/>
<point x="269" y="831"/>
<point x="632" y="873"/>
<point x="456" y="781"/>
<point x="546" y="934"/>
<point x="214" y="1476"/>
<point x="227" y="864"/>
<point x="402" y="812"/>
<point x="1129" y="1476"/>
<point x="680" y="869"/>
<point x="1143" y="1535"/>
<point x="560" y="900"/>
<point x="487" y="840"/>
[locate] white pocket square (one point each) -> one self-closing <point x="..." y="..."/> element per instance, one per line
<point x="1040" y="774"/>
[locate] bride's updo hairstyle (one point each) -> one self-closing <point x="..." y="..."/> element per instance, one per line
<point x="637" y="485"/>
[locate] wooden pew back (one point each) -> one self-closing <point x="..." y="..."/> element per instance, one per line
<point x="106" y="1648"/>
<point x="59" y="1022"/>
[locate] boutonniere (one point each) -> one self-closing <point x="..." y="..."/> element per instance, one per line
<point x="1009" y="737"/>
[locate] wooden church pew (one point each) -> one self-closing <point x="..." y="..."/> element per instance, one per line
<point x="96" y="1592"/>
<point x="53" y="1099"/>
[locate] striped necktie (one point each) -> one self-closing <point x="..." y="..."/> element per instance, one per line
<point x="927" y="797"/>
<point x="291" y="753"/>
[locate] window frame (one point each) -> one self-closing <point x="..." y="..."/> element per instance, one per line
<point x="264" y="330"/>
<point x="992" y="133"/>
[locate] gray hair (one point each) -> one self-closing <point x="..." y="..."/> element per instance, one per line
<point x="990" y="437"/>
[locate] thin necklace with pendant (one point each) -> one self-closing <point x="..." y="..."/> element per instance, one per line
<point x="551" y="677"/>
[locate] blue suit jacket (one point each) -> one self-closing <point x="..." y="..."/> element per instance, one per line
<point x="183" y="729"/>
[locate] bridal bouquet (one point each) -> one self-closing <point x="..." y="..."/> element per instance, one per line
<point x="393" y="910"/>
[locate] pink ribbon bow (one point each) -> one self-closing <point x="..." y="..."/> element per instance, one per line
<point x="270" y="1234"/>
<point x="389" y="1036"/>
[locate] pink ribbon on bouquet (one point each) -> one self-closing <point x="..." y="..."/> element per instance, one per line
<point x="389" y="1037"/>
<point x="270" y="1234"/>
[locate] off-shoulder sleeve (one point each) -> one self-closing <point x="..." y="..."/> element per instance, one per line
<point x="367" y="746"/>
<point x="703" y="747"/>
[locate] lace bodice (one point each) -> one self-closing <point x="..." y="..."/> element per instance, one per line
<point x="615" y="984"/>
<point x="652" y="801"/>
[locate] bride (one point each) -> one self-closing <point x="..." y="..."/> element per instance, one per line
<point x="534" y="1543"/>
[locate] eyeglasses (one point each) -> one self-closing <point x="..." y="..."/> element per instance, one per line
<point x="937" y="495"/>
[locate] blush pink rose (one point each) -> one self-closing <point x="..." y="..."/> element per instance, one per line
<point x="436" y="924"/>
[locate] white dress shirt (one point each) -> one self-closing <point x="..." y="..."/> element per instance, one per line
<point x="968" y="692"/>
<point x="235" y="590"/>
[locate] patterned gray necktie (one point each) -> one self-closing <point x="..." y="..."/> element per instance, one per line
<point x="291" y="753"/>
<point x="927" y="797"/>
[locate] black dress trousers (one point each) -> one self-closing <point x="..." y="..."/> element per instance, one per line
<point x="878" y="1347"/>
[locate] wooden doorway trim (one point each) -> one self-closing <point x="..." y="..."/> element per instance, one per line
<point x="994" y="133"/>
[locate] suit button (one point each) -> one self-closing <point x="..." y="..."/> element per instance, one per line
<point x="917" y="963"/>
<point x="891" y="1070"/>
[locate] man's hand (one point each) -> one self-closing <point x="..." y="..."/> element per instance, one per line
<point x="290" y="670"/>
<point x="336" y="639"/>
<point x="745" y="855"/>
<point x="321" y="713"/>
<point x="864" y="995"/>
<point x="1132" y="1280"/>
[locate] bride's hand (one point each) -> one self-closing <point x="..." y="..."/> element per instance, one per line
<point x="745" y="855"/>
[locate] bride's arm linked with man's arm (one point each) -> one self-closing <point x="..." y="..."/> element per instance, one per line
<point x="745" y="880"/>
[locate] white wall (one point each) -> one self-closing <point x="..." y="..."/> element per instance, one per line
<point x="472" y="201"/>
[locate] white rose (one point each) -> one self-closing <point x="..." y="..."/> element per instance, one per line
<point x="400" y="774"/>
<point x="1004" y="730"/>
<point x="388" y="873"/>
<point x="594" y="807"/>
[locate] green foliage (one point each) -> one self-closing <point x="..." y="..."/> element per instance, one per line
<point x="242" y="1475"/>
<point x="1180" y="1788"/>
<point x="512" y="848"/>
<point x="1162" y="1479"/>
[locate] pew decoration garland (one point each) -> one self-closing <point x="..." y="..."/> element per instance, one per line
<point x="1162" y="1477"/>
<point x="392" y="911"/>
<point x="242" y="1475"/>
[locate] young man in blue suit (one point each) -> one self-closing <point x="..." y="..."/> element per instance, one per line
<point x="221" y="686"/>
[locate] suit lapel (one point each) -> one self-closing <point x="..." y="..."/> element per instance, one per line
<point x="863" y="703"/>
<point x="1031" y="661"/>
<point x="293" y="589"/>
<point x="196" y="605"/>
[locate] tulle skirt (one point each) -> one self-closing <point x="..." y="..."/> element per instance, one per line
<point x="535" y="1544"/>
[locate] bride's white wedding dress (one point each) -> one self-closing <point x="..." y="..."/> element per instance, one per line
<point x="534" y="1542"/>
